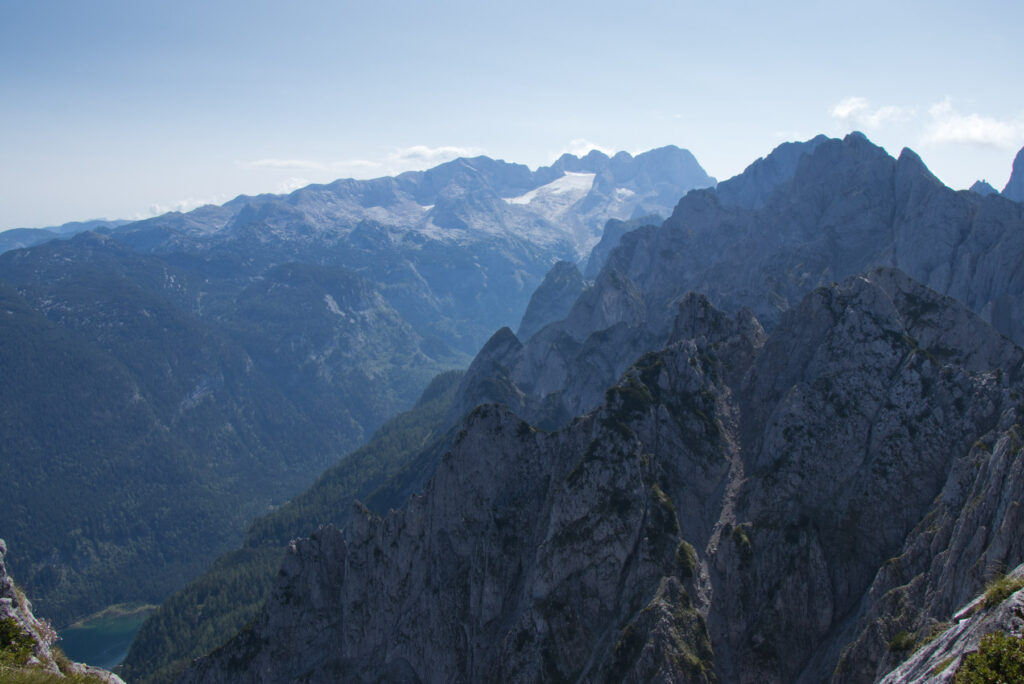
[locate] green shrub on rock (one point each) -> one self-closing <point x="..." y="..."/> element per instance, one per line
<point x="999" y="659"/>
<point x="15" y="644"/>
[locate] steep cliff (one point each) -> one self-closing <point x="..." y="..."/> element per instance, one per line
<point x="999" y="612"/>
<point x="1014" y="189"/>
<point x="553" y="299"/>
<point x="728" y="512"/>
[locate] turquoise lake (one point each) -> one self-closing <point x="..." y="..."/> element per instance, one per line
<point x="102" y="642"/>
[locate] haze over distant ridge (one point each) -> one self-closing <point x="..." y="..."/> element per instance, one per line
<point x="124" y="110"/>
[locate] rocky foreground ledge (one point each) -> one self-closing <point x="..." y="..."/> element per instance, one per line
<point x="28" y="643"/>
<point x="1000" y="610"/>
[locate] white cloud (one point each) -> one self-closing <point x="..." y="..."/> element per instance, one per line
<point x="858" y="112"/>
<point x="944" y="124"/>
<point x="422" y="156"/>
<point x="356" y="164"/>
<point x="401" y="159"/>
<point x="182" y="205"/>
<point x="579" y="147"/>
<point x="950" y="126"/>
<point x="848" y="108"/>
<point x="291" y="184"/>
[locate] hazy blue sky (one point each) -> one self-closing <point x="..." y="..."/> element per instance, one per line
<point x="121" y="109"/>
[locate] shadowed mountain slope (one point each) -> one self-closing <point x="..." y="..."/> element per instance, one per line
<point x="726" y="513"/>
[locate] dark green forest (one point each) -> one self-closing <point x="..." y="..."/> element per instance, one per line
<point x="212" y="609"/>
<point x="151" y="411"/>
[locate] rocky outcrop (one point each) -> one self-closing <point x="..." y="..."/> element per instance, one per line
<point x="1014" y="189"/>
<point x="553" y="299"/>
<point x="938" y="659"/>
<point x="29" y="643"/>
<point x="610" y="236"/>
<point x="870" y="397"/>
<point x="983" y="188"/>
<point x="766" y="175"/>
<point x="725" y="513"/>
<point x="968" y="535"/>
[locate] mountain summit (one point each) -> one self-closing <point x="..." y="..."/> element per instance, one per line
<point x="1015" y="186"/>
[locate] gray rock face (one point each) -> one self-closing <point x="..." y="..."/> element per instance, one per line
<point x="870" y="395"/>
<point x="807" y="215"/>
<point x="968" y="535"/>
<point x="613" y="232"/>
<point x="553" y="299"/>
<point x="1014" y="189"/>
<point x="938" y="659"/>
<point x="14" y="606"/>
<point x="727" y="512"/>
<point x="766" y="175"/>
<point x="491" y="378"/>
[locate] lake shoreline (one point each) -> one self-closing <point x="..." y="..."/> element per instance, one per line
<point x="103" y="639"/>
<point x="117" y="610"/>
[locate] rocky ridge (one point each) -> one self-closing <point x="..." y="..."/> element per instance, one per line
<point x="983" y="188"/>
<point x="553" y="298"/>
<point x="16" y="238"/>
<point x="613" y="231"/>
<point x="1014" y="189"/>
<point x="807" y="215"/>
<point x="726" y="513"/>
<point x="938" y="659"/>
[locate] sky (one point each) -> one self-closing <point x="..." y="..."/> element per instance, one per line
<point x="130" y="108"/>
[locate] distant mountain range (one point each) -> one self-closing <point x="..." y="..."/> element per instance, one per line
<point x="168" y="380"/>
<point x="16" y="238"/>
<point x="456" y="250"/>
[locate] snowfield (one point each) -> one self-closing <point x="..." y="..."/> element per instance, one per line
<point x="573" y="184"/>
